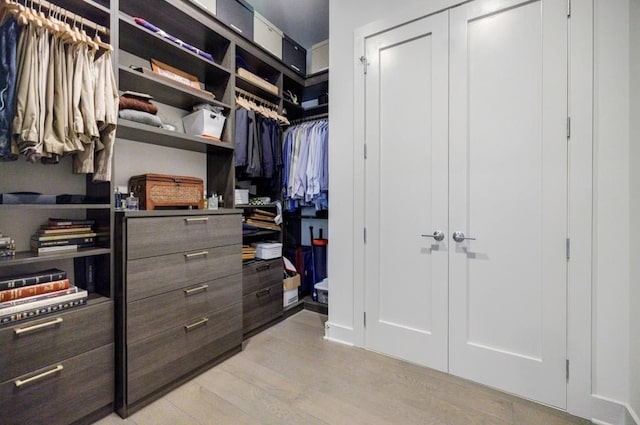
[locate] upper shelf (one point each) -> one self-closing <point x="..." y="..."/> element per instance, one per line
<point x="144" y="43"/>
<point x="160" y="137"/>
<point x="55" y="206"/>
<point x="95" y="11"/>
<point x="174" y="94"/>
<point x="249" y="86"/>
<point x="28" y="257"/>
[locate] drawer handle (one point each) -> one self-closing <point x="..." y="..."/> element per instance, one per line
<point x="193" y="291"/>
<point x="295" y="67"/>
<point x="196" y="219"/>
<point x="263" y="292"/>
<point x="196" y="325"/>
<point x="235" y="28"/>
<point x="263" y="268"/>
<point x="19" y="382"/>
<point x="21" y="331"/>
<point x="196" y="254"/>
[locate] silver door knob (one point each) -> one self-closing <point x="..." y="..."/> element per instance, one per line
<point x="437" y="235"/>
<point x="459" y="237"/>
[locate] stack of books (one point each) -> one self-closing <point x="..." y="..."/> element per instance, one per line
<point x="31" y="295"/>
<point x="248" y="253"/>
<point x="60" y="234"/>
<point x="262" y="219"/>
<point x="7" y="246"/>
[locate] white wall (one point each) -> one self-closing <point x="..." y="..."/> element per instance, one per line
<point x="634" y="161"/>
<point x="611" y="200"/>
<point x="611" y="267"/>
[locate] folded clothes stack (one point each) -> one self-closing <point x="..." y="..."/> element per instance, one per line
<point x="137" y="107"/>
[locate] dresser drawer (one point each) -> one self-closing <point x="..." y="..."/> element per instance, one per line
<point x="261" y="274"/>
<point x="261" y="307"/>
<point x="157" y="361"/>
<point x="152" y="236"/>
<point x="156" y="275"/>
<point x="153" y="315"/>
<point x="34" y="344"/>
<point x="62" y="392"/>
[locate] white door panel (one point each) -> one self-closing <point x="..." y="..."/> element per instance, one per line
<point x="508" y="190"/>
<point x="406" y="192"/>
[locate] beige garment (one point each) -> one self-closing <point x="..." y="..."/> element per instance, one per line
<point x="83" y="162"/>
<point x="106" y="123"/>
<point x="43" y="54"/>
<point x="25" y="122"/>
<point x="56" y="106"/>
<point x="73" y="143"/>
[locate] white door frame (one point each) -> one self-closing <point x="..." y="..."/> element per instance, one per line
<point x="580" y="224"/>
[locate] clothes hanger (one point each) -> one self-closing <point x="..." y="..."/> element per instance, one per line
<point x="106" y="46"/>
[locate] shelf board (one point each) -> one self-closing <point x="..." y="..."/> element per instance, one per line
<point x="248" y="85"/>
<point x="55" y="206"/>
<point x="174" y="94"/>
<point x="261" y="233"/>
<point x="177" y="212"/>
<point x="88" y="9"/>
<point x="144" y="133"/>
<point x="271" y="205"/>
<point x="144" y="43"/>
<point x="316" y="108"/>
<point x="28" y="257"/>
<point x="290" y="103"/>
<point x="317" y="78"/>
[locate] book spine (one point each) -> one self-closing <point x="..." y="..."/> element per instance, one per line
<point x="54" y="249"/>
<point x="20" y="301"/>
<point x="69" y="222"/>
<point x="85" y="274"/>
<point x="62" y="236"/>
<point x="30" y="291"/>
<point x="33" y="279"/>
<point x="42" y="304"/>
<point x="62" y="242"/>
<point x="42" y="310"/>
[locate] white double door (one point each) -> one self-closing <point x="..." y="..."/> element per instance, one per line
<point x="466" y="131"/>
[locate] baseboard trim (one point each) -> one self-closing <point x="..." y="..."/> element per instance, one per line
<point x="338" y="333"/>
<point x="606" y="411"/>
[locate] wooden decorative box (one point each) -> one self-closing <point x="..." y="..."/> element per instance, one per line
<point x="161" y="190"/>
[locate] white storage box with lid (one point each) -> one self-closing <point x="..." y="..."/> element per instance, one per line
<point x="267" y="250"/>
<point x="322" y="289"/>
<point x="204" y="122"/>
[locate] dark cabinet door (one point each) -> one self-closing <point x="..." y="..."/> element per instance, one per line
<point x="294" y="56"/>
<point x="237" y="15"/>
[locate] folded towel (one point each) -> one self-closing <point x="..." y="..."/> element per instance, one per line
<point x="137" y="104"/>
<point x="141" y="117"/>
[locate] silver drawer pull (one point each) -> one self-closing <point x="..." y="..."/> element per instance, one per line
<point x="19" y="382"/>
<point x="196" y="325"/>
<point x="263" y="293"/>
<point x="295" y="67"/>
<point x="235" y="28"/>
<point x="196" y="254"/>
<point x="196" y="219"/>
<point x="263" y="267"/>
<point x="54" y="322"/>
<point x="197" y="290"/>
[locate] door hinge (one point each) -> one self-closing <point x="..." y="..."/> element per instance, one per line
<point x="568" y="127"/>
<point x="365" y="151"/>
<point x="567" y="369"/>
<point x="365" y="235"/>
<point x="568" y="8"/>
<point x="364" y="62"/>
<point x="365" y="319"/>
<point x="568" y="248"/>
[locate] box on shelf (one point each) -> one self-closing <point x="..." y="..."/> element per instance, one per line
<point x="267" y="250"/>
<point x="204" y="122"/>
<point x="161" y="190"/>
<point x="289" y="297"/>
<point x="322" y="289"/>
<point x="291" y="282"/>
<point x="242" y="196"/>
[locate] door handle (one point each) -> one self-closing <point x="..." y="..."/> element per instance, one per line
<point x="459" y="237"/>
<point x="437" y="235"/>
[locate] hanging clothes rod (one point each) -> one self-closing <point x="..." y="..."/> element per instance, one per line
<point x="310" y="118"/>
<point x="256" y="98"/>
<point x="79" y="20"/>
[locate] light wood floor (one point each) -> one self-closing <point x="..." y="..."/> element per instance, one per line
<point x="289" y="375"/>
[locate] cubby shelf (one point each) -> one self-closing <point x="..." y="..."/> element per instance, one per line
<point x="28" y="257"/>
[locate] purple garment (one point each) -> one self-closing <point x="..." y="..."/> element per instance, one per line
<point x="175" y="40"/>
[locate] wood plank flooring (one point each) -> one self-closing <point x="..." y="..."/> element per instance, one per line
<point x="289" y="374"/>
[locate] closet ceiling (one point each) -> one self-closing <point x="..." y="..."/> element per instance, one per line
<point x="306" y="21"/>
